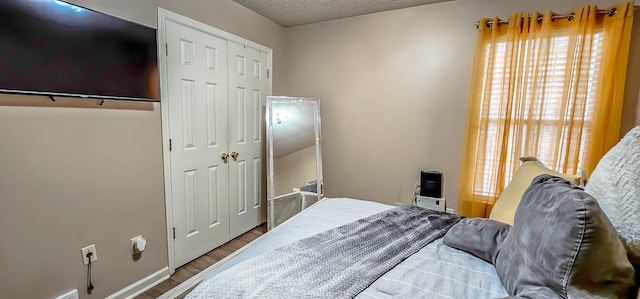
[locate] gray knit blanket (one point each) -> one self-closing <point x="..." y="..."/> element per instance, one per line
<point x="338" y="263"/>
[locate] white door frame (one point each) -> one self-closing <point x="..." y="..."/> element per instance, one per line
<point x="163" y="16"/>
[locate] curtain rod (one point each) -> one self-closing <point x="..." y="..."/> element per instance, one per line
<point x="570" y="16"/>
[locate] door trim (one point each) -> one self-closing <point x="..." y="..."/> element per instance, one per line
<point x="163" y="16"/>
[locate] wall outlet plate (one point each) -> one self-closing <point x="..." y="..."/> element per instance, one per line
<point x="451" y="211"/>
<point x="86" y="250"/>
<point x="69" y="295"/>
<point x="134" y="248"/>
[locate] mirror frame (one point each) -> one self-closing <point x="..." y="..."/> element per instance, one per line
<point x="271" y="100"/>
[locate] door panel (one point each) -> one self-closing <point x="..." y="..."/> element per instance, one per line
<point x="249" y="86"/>
<point x="198" y="128"/>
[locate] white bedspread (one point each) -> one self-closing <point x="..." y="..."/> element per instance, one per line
<point x="436" y="271"/>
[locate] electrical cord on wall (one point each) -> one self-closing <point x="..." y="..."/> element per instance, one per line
<point x="89" y="284"/>
<point x="416" y="192"/>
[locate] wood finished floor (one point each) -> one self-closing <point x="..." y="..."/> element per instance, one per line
<point x="194" y="267"/>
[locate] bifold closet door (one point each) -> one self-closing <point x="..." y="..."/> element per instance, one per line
<point x="199" y="134"/>
<point x="248" y="87"/>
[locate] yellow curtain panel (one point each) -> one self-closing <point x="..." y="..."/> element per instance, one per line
<point x="545" y="85"/>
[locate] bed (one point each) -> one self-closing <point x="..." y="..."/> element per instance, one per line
<point x="561" y="241"/>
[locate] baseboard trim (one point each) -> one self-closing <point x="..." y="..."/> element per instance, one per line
<point x="142" y="285"/>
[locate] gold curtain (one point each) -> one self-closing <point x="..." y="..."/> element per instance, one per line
<point x="543" y="85"/>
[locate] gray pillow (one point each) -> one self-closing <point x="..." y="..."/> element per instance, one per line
<point x="562" y="243"/>
<point x="478" y="236"/>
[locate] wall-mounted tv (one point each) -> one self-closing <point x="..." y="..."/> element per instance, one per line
<point x="52" y="47"/>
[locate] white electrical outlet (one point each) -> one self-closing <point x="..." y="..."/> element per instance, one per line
<point x="70" y="295"/>
<point x="138" y="245"/>
<point x="451" y="211"/>
<point x="94" y="256"/>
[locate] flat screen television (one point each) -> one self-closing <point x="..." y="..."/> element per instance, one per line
<point x="51" y="47"/>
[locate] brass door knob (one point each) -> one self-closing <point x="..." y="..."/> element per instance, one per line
<point x="235" y="156"/>
<point x="225" y="157"/>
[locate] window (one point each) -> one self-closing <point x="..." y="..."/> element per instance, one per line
<point x="543" y="85"/>
<point x="548" y="108"/>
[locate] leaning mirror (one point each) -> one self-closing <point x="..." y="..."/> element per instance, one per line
<point x="294" y="180"/>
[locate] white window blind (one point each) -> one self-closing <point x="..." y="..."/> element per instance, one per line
<point x="544" y="94"/>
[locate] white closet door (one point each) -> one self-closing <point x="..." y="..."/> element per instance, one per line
<point x="198" y="125"/>
<point x="248" y="87"/>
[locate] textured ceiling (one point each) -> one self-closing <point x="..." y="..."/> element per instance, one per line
<point x="299" y="12"/>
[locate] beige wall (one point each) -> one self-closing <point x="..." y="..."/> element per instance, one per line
<point x="74" y="174"/>
<point x="294" y="170"/>
<point x="632" y="91"/>
<point x="393" y="88"/>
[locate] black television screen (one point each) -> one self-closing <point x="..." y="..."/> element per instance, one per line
<point x="51" y="47"/>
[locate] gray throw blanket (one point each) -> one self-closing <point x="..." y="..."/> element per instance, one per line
<point x="338" y="263"/>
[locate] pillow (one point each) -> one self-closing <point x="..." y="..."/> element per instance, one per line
<point x="506" y="205"/>
<point x="478" y="236"/>
<point x="615" y="183"/>
<point x="562" y="243"/>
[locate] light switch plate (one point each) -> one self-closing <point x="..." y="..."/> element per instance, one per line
<point x="70" y="295"/>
